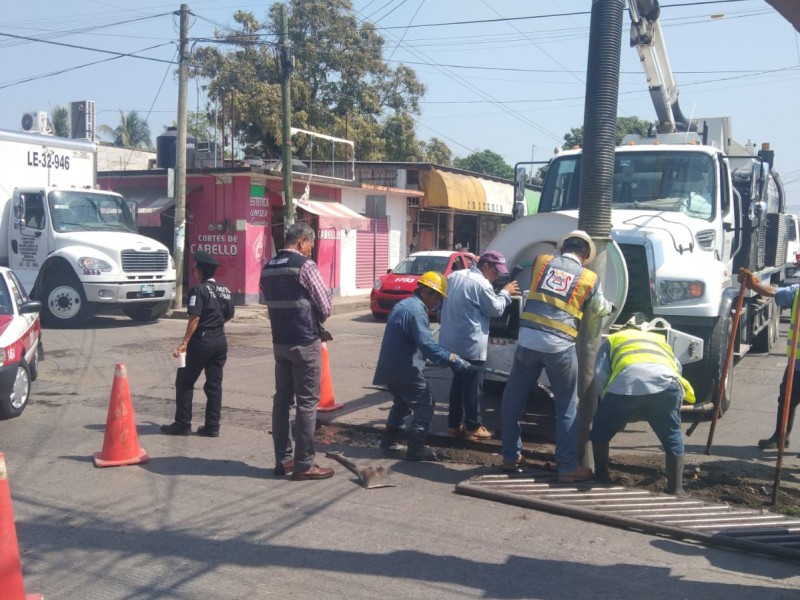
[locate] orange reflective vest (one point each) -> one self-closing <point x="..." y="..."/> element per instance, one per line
<point x="559" y="288"/>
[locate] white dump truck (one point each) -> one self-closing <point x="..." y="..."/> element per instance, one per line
<point x="75" y="248"/>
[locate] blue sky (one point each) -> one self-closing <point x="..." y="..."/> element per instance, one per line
<point x="514" y="86"/>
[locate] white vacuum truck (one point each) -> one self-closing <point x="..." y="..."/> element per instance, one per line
<point x="75" y="248"/>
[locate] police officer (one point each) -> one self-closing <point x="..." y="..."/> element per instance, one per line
<point x="640" y="379"/>
<point x="206" y="349"/>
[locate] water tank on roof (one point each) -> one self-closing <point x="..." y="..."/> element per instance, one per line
<point x="166" y="149"/>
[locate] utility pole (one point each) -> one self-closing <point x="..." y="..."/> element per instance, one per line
<point x="286" y="115"/>
<point x="180" y="161"/>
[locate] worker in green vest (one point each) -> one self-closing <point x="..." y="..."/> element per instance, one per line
<point x="640" y="380"/>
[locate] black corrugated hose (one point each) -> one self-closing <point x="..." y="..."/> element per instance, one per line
<point x="600" y="118"/>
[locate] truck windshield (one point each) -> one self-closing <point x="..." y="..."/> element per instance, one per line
<point x="89" y="211"/>
<point x="662" y="181"/>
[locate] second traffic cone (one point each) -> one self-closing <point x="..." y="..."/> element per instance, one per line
<point x="121" y="442"/>
<point x="11" y="586"/>
<point x="326" y="401"/>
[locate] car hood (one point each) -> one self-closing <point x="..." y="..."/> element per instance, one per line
<point x="399" y="283"/>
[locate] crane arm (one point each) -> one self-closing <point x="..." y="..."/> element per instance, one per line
<point x="647" y="38"/>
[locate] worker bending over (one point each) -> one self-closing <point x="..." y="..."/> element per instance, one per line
<point x="641" y="380"/>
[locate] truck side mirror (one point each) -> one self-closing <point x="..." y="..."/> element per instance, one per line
<point x="520" y="177"/>
<point x="19" y="208"/>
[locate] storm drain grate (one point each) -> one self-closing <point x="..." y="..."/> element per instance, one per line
<point x="679" y="517"/>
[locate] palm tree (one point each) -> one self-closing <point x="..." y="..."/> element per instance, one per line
<point x="132" y="132"/>
<point x="60" y="122"/>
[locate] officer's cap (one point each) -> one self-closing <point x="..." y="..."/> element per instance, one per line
<point x="204" y="258"/>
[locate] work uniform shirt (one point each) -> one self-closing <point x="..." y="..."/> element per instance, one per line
<point x="638" y="379"/>
<point x="595" y="307"/>
<point x="784" y="297"/>
<point x="471" y="302"/>
<point x="407" y="343"/>
<point x="210" y="301"/>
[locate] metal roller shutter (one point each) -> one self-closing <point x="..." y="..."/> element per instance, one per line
<point x="372" y="244"/>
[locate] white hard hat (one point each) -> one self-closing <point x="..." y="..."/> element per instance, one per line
<point x="581" y="235"/>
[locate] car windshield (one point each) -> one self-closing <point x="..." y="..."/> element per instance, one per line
<point x="417" y="265"/>
<point x="663" y="181"/>
<point x="84" y="211"/>
<point x="6" y="303"/>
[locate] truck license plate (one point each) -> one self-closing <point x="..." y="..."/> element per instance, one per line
<point x="148" y="289"/>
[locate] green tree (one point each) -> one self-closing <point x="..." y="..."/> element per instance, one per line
<point x="59" y="121"/>
<point x="341" y="85"/>
<point x="199" y="125"/>
<point x="625" y="126"/>
<point x="437" y="152"/>
<point x="132" y="132"/>
<point x="400" y="139"/>
<point x="487" y="162"/>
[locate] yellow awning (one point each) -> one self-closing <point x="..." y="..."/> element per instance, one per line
<point x="465" y="192"/>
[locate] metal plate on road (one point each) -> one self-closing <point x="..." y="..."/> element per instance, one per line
<point x="680" y="517"/>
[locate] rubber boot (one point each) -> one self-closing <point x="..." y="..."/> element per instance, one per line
<point x="771" y="442"/>
<point x="675" y="475"/>
<point x="418" y="451"/>
<point x="389" y="440"/>
<point x="600" y="452"/>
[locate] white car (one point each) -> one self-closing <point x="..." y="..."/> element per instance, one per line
<point x="20" y="344"/>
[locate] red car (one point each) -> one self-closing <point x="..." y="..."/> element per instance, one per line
<point x="400" y="282"/>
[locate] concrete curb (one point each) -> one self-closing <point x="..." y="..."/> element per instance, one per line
<point x="259" y="311"/>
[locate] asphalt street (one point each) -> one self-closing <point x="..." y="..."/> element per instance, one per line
<point x="205" y="518"/>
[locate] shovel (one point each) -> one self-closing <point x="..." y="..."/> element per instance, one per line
<point x="371" y="477"/>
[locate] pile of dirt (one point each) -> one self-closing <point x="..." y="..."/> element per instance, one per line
<point x="736" y="483"/>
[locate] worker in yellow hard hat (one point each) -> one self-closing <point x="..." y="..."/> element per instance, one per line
<point x="407" y="344"/>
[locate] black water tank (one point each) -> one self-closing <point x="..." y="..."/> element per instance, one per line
<point x="166" y="152"/>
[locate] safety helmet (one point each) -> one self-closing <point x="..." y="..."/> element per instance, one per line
<point x="435" y="281"/>
<point x="583" y="236"/>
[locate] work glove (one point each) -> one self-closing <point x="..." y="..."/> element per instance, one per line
<point x="458" y="364"/>
<point x="746" y="276"/>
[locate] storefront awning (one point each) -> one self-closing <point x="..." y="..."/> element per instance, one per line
<point x="465" y="192"/>
<point x="334" y="215"/>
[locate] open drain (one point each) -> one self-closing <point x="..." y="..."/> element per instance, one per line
<point x="681" y="517"/>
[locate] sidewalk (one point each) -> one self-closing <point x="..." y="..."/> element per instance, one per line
<point x="341" y="305"/>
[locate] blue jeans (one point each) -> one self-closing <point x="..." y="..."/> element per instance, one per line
<point x="464" y="398"/>
<point x="411" y="396"/>
<point x="562" y="371"/>
<point x="661" y="410"/>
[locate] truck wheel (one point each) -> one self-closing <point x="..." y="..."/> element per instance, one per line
<point x="716" y="347"/>
<point x="151" y="311"/>
<point x="769" y="335"/>
<point x="17" y="401"/>
<point x="64" y="303"/>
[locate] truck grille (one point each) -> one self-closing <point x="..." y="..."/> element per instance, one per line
<point x="138" y="262"/>
<point x="639" y="294"/>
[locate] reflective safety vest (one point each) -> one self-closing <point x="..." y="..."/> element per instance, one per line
<point x="631" y="346"/>
<point x="559" y="288"/>
<point x="791" y="329"/>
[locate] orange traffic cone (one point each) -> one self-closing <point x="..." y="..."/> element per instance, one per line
<point x="121" y="443"/>
<point x="326" y="402"/>
<point x="11" y="586"/>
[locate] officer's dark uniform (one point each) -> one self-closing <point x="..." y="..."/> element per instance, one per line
<point x="207" y="350"/>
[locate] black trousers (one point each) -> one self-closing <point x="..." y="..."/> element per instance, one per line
<point x="207" y="351"/>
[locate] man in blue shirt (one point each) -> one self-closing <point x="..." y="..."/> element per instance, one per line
<point x="471" y="302"/>
<point x="407" y="343"/>
<point x="785" y="297"/>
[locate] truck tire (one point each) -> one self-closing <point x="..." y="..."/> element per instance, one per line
<point x="714" y="351"/>
<point x="14" y="405"/>
<point x="64" y="303"/>
<point x="767" y="338"/>
<point x="150" y="311"/>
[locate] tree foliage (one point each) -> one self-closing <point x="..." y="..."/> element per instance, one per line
<point x="132" y="132"/>
<point x="437" y="152"/>
<point x="625" y="126"/>
<point x="340" y="85"/>
<point x="198" y="125"/>
<point x="59" y="121"/>
<point x="487" y="162"/>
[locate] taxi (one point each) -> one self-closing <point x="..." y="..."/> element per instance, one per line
<point x="399" y="283"/>
<point x="20" y="344"/>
